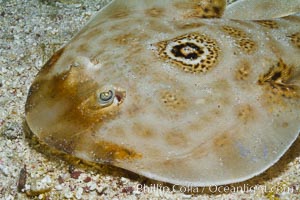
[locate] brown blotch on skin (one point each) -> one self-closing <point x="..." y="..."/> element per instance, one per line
<point x="139" y="67"/>
<point x="142" y="130"/>
<point x="152" y="151"/>
<point x="129" y="38"/>
<point x="295" y="39"/>
<point x="221" y="85"/>
<point x="199" y="151"/>
<point x="277" y="80"/>
<point x="135" y="50"/>
<point x="222" y="140"/>
<point x="133" y="109"/>
<point x="51" y="62"/>
<point x="173" y="101"/>
<point x="201" y="123"/>
<point x="197" y="126"/>
<point x="242" y="40"/>
<point x="178" y="166"/>
<point x="272" y="102"/>
<point x="82" y="48"/>
<point x="110" y="152"/>
<point x="247" y="45"/>
<point x="173" y="164"/>
<point x="245" y="113"/>
<point x="187" y="25"/>
<point x="124" y="39"/>
<point x="120" y="15"/>
<point x="157" y="25"/>
<point x="154" y="12"/>
<point x="243" y="71"/>
<point x="176" y="138"/>
<point x="285" y="124"/>
<point x="202" y="9"/>
<point x="223" y="146"/>
<point x="234" y="32"/>
<point x="271" y="24"/>
<point x="117" y="131"/>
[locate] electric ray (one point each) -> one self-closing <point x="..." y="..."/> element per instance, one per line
<point x="174" y="91"/>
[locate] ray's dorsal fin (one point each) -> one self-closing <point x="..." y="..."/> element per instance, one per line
<point x="174" y="9"/>
<point x="261" y="9"/>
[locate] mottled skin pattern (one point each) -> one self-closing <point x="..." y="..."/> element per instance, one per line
<point x="198" y="101"/>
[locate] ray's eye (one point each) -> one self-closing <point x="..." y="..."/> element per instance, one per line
<point x="106" y="98"/>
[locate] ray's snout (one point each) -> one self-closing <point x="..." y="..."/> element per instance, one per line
<point x="62" y="106"/>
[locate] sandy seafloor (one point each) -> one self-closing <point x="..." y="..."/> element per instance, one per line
<point x="30" y="31"/>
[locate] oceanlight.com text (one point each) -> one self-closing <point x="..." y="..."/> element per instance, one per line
<point x="245" y="188"/>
